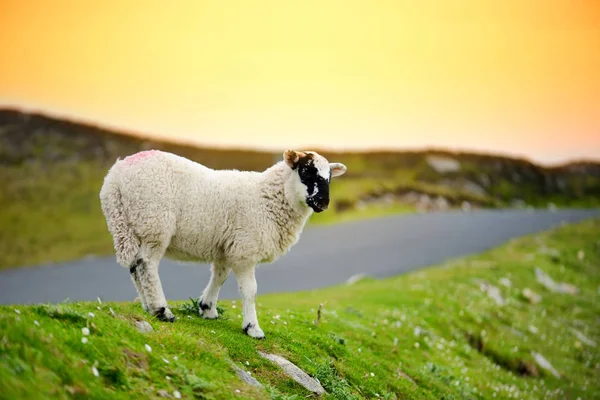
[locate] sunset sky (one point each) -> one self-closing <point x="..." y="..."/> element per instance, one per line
<point x="516" y="77"/>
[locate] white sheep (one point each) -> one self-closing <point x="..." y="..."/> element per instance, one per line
<point x="159" y="204"/>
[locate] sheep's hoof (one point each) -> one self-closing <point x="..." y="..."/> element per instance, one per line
<point x="164" y="314"/>
<point x="207" y="311"/>
<point x="254" y="331"/>
<point x="209" y="314"/>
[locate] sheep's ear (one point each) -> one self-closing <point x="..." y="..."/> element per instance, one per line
<point x="337" y="169"/>
<point x="291" y="157"/>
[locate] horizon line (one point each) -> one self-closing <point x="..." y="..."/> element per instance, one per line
<point x="121" y="130"/>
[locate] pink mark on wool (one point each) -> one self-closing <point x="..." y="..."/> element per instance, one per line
<point x="138" y="156"/>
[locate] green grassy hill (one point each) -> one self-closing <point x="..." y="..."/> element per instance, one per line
<point x="519" y="321"/>
<point x="51" y="171"/>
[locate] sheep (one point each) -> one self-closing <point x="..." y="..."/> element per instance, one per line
<point x="159" y="204"/>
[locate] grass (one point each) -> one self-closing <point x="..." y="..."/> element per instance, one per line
<point x="433" y="334"/>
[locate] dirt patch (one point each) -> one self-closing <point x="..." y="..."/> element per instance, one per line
<point x="516" y="365"/>
<point x="135" y="360"/>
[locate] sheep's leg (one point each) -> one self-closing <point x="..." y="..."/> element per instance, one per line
<point x="149" y="281"/>
<point x="208" y="301"/>
<point x="136" y="281"/>
<point x="247" y="286"/>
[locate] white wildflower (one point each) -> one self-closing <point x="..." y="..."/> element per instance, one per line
<point x="84" y="340"/>
<point x="95" y="372"/>
<point x="175" y="358"/>
<point x="91" y="314"/>
<point x="176" y="394"/>
<point x="417" y="344"/>
<point x="372" y="374"/>
<point x="417" y="330"/>
<point x="167" y="377"/>
<point x="17" y="311"/>
<point x="395" y="341"/>
<point x="359" y="350"/>
<point x="85" y="331"/>
<point x="36" y="323"/>
<point x="112" y="312"/>
<point x="165" y="360"/>
<point x="99" y="301"/>
<point x="148" y="348"/>
<point x="212" y="332"/>
<point x="237" y="391"/>
<point x="233" y="306"/>
<point x="247" y="363"/>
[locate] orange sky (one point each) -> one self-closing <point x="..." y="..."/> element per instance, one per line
<point x="520" y="77"/>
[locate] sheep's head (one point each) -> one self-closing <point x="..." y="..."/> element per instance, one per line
<point x="314" y="176"/>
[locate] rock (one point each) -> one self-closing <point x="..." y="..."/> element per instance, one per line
<point x="474" y="188"/>
<point x="505" y="282"/>
<point x="549" y="251"/>
<point x="532" y="296"/>
<point x="493" y="292"/>
<point x="143" y="326"/>
<point x="245" y="376"/>
<point x="402" y="374"/>
<point x="355" y="278"/>
<point x="443" y="164"/>
<point x="466" y="206"/>
<point x="545" y="364"/>
<point x="533" y="329"/>
<point x="584" y="338"/>
<point x="518" y="203"/>
<point x="441" y="204"/>
<point x="424" y="203"/>
<point x="294" y="372"/>
<point x="550" y="284"/>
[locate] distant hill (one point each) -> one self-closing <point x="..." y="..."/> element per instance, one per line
<point x="51" y="171"/>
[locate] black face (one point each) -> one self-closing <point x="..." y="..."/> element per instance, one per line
<point x="317" y="186"/>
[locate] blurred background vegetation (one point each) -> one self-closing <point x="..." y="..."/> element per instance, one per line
<point x="51" y="171"/>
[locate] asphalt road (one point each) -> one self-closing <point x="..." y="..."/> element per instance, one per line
<point x="324" y="256"/>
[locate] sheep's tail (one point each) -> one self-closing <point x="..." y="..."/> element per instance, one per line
<point x="126" y="243"/>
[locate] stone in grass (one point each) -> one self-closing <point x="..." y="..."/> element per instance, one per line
<point x="355" y="278"/>
<point x="545" y="364"/>
<point x="245" y="376"/>
<point x="143" y="326"/>
<point x="493" y="292"/>
<point x="584" y="338"/>
<point x="294" y="372"/>
<point x="532" y="296"/>
<point x="550" y="284"/>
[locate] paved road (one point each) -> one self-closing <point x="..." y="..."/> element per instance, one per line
<point x="324" y="256"/>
